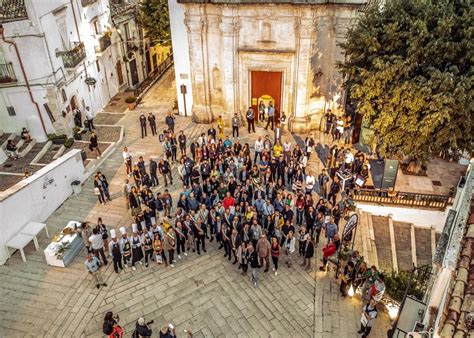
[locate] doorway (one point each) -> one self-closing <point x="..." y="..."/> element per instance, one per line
<point x="266" y="87"/>
<point x="134" y="72"/>
<point x="118" y="68"/>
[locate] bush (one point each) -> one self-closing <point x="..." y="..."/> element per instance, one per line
<point x="131" y="99"/>
<point x="69" y="142"/>
<point x="396" y="284"/>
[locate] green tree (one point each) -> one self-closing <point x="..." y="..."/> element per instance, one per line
<point x="154" y="17"/>
<point x="409" y="70"/>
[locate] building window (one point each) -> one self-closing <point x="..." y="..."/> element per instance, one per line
<point x="98" y="66"/>
<point x="216" y="78"/>
<point x="11" y="111"/>
<point x="95" y="25"/>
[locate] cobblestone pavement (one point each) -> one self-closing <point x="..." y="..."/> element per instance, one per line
<point x="204" y="293"/>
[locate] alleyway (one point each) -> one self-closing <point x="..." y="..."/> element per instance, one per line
<point x="204" y="293"/>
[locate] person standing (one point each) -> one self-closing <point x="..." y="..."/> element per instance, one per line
<point x="90" y="119"/>
<point x="220" y="127"/>
<point x="253" y="261"/>
<point x="169" y="120"/>
<point x="169" y="244"/>
<point x="271" y="116"/>
<point x="275" y="252"/>
<point x="182" y="142"/>
<point x="86" y="232"/>
<point x="235" y="125"/>
<point x="263" y="249"/>
<point x="250" y="119"/>
<point x="143" y="124"/>
<point x="125" y="247"/>
<point x="97" y="245"/>
<point x="290" y="247"/>
<point x="261" y="111"/>
<point x="258" y="149"/>
<point x="165" y="170"/>
<point x="94" y="144"/>
<point x="115" y="251"/>
<point x="147" y="247"/>
<point x="92" y="265"/>
<point x="153" y="168"/>
<point x="242" y="256"/>
<point x="127" y="159"/>
<point x="369" y="313"/>
<point x="102" y="229"/>
<point x="152" y="122"/>
<point x="308" y="252"/>
<point x="347" y="278"/>
<point x="137" y="253"/>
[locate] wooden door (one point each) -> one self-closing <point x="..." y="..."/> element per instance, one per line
<point x="118" y="68"/>
<point x="134" y="72"/>
<point x="266" y="86"/>
<point x="148" y="61"/>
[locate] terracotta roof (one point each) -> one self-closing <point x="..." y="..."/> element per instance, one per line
<point x="458" y="313"/>
<point x="12" y="10"/>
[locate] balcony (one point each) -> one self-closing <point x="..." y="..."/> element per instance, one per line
<point x="86" y="3"/>
<point x="104" y="42"/>
<point x="7" y="74"/>
<point x="12" y="10"/>
<point x="73" y="57"/>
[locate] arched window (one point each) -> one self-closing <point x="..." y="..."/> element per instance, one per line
<point x="266" y="31"/>
<point x="216" y="78"/>
<point x="63" y="94"/>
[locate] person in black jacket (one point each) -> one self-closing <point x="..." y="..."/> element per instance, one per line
<point x="308" y="252"/>
<point x="152" y="122"/>
<point x="253" y="262"/>
<point x="143" y="124"/>
<point x="153" y="168"/>
<point x="142" y="329"/>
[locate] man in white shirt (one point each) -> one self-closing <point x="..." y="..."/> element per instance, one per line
<point x="310" y="181"/>
<point x="287" y="151"/>
<point x="97" y="245"/>
<point x="90" y="119"/>
<point x="127" y="159"/>
<point x="258" y="149"/>
<point x="348" y="159"/>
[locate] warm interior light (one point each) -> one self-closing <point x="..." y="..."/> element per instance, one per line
<point x="393" y="312"/>
<point x="351" y="291"/>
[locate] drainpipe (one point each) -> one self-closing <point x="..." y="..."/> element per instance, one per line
<point x="26" y="78"/>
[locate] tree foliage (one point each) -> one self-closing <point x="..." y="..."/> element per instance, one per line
<point x="409" y="69"/>
<point x="153" y="16"/>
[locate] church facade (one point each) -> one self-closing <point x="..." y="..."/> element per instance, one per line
<point x="232" y="54"/>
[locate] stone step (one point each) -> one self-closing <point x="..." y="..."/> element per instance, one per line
<point x="403" y="245"/>
<point x="424" y="243"/>
<point x="25" y="149"/>
<point x="383" y="243"/>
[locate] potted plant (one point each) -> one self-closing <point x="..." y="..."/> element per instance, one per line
<point x="131" y="100"/>
<point x="57" y="139"/>
<point x="77" y="133"/>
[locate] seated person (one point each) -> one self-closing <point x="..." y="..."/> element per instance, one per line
<point x="25" y="135"/>
<point x="330" y="250"/>
<point x="12" y="149"/>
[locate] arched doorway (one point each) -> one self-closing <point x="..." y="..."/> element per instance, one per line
<point x="74" y="104"/>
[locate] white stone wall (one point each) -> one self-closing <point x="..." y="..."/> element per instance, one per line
<point x="38" y="39"/>
<point x="226" y="42"/>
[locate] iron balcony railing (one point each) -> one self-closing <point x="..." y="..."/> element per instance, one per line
<point x="400" y="198"/>
<point x="73" y="57"/>
<point x="154" y="75"/>
<point x="104" y="42"/>
<point x="6" y="73"/>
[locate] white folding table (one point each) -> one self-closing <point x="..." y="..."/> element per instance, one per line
<point x="19" y="241"/>
<point x="33" y="229"/>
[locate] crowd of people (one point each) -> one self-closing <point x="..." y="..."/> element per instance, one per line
<point x="263" y="208"/>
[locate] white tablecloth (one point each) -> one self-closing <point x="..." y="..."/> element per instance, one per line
<point x="53" y="247"/>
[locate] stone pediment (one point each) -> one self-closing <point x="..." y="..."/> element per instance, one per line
<point x="292" y="2"/>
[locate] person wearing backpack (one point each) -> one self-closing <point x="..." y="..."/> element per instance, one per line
<point x="142" y="329"/>
<point x="369" y="313"/>
<point x="111" y="327"/>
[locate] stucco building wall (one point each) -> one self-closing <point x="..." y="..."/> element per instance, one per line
<point x="226" y="41"/>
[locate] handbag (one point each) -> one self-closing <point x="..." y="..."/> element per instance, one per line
<point x="159" y="258"/>
<point x="136" y="211"/>
<point x="363" y="320"/>
<point x="96" y="191"/>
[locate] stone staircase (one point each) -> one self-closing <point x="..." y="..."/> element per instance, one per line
<point x="393" y="245"/>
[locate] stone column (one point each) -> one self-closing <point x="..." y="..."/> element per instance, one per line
<point x="229" y="31"/>
<point x="305" y="34"/>
<point x="195" y="28"/>
<point x="342" y="24"/>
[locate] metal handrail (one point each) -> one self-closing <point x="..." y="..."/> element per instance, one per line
<point x="403" y="198"/>
<point x="153" y="76"/>
<point x="7" y="73"/>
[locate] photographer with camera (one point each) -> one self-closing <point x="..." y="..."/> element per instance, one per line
<point x="111" y="327"/>
<point x="142" y="329"/>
